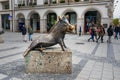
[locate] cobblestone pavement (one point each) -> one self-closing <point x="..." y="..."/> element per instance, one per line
<point x="90" y="60"/>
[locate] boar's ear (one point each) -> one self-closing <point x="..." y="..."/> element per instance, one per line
<point x="67" y="16"/>
<point x="59" y="17"/>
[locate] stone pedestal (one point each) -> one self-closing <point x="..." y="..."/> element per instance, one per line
<point x="49" y="61"/>
<point x="1" y="39"/>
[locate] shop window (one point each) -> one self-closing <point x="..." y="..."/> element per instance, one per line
<point x="19" y="1"/>
<point x="46" y="2"/>
<point x="86" y="0"/>
<point x="23" y="3"/>
<point x="35" y="2"/>
<point x="30" y="3"/>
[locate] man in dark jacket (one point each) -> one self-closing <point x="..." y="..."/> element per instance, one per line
<point x="80" y="31"/>
<point x="116" y="30"/>
<point x="24" y="31"/>
<point x="110" y="33"/>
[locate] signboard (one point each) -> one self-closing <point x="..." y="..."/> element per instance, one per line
<point x="10" y="17"/>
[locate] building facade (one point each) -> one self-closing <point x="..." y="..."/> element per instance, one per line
<point x="41" y="15"/>
<point x="116" y="13"/>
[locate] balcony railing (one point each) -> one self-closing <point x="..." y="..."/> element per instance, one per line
<point x="73" y="1"/>
<point x="27" y="5"/>
<point x="60" y="2"/>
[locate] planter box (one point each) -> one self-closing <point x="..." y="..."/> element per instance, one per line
<point x="52" y="60"/>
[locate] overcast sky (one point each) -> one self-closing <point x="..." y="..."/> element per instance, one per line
<point x="116" y="13"/>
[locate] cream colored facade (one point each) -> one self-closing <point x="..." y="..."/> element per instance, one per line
<point x="35" y="13"/>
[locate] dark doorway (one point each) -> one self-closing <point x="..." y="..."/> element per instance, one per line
<point x="35" y="22"/>
<point x="5" y="21"/>
<point x="91" y="18"/>
<point x="72" y="17"/>
<point x="21" y="22"/>
<point x="51" y="19"/>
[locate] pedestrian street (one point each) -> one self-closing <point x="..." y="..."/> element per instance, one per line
<point x="90" y="60"/>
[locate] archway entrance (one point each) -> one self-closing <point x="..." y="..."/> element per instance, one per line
<point x="72" y="17"/>
<point x="91" y="18"/>
<point x="35" y="22"/>
<point x="51" y="19"/>
<point x="21" y="22"/>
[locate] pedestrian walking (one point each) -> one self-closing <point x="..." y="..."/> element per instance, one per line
<point x="24" y="32"/>
<point x="110" y="33"/>
<point x="92" y="33"/>
<point x="80" y="31"/>
<point x="30" y="32"/>
<point x="116" y="30"/>
<point x="119" y="31"/>
<point x="101" y="32"/>
<point x="95" y="32"/>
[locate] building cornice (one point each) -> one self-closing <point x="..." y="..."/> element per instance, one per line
<point x="58" y="6"/>
<point x="5" y="11"/>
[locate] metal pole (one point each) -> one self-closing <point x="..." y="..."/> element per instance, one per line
<point x="11" y="19"/>
<point x="13" y="7"/>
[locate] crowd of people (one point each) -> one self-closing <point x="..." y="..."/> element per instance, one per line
<point x="97" y="33"/>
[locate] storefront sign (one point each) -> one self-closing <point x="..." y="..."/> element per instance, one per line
<point x="10" y="17"/>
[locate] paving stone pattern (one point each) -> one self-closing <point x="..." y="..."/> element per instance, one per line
<point x="90" y="60"/>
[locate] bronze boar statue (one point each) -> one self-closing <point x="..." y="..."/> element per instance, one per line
<point x="55" y="36"/>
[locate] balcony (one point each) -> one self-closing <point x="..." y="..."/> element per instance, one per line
<point x="61" y="2"/>
<point x="26" y="5"/>
<point x="72" y="1"/>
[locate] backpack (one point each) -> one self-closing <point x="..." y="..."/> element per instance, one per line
<point x="98" y="30"/>
<point x="110" y="31"/>
<point x="30" y="30"/>
<point x="90" y="31"/>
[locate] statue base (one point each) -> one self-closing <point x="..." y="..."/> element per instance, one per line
<point x="1" y="39"/>
<point x="49" y="61"/>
